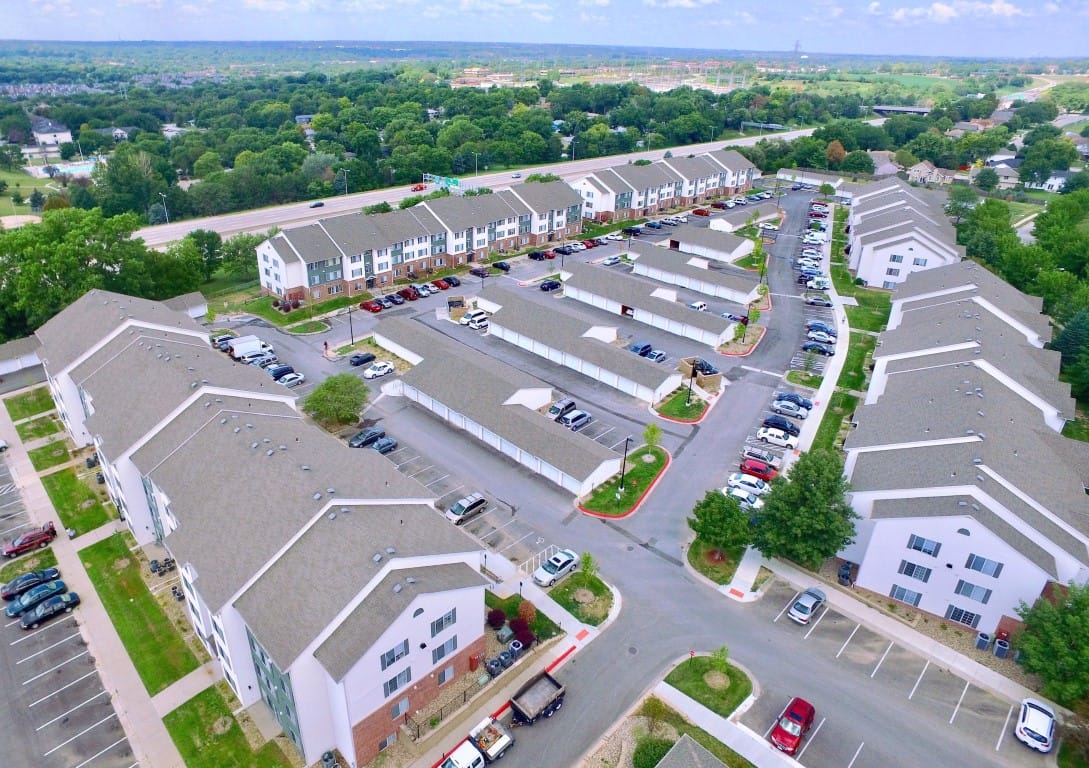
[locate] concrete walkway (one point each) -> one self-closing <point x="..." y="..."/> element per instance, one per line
<point x="151" y="744"/>
<point x="178" y="693"/>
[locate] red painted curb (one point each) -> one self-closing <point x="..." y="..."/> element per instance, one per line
<point x="763" y="330"/>
<point x="639" y="501"/>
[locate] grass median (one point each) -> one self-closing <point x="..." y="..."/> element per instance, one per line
<point x="155" y="646"/>
<point x="29" y="403"/>
<point x="677" y="406"/>
<point x="719" y="686"/>
<point x="77" y="505"/>
<point x="34" y="429"/>
<point x="644" y="465"/>
<point x="715" y="563"/>
<point x="49" y="455"/>
<point x="587" y="598"/>
<point x="659" y="714"/>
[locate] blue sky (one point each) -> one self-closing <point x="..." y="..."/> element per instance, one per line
<point x="994" y="28"/>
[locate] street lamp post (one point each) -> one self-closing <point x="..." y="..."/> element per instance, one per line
<point x="166" y="211"/>
<point x="476" y="163"/>
<point x="688" y="400"/>
<point x="351" y="329"/>
<point x="623" y="466"/>
<point x="345" y="181"/>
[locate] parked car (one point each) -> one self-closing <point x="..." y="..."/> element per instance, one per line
<point x="502" y="266"/>
<point x="656" y="356"/>
<point x="701" y="212"/>
<point x="653" y="225"/>
<point x="821" y="336"/>
<point x="408" y="294"/>
<point x="818" y="299"/>
<point x="278" y="371"/>
<point x="262" y="360"/>
<point x="472" y="315"/>
<point x="705" y="368"/>
<point x="793" y="397"/>
<point x="378" y="370"/>
<point x="292" y="380"/>
<point x="1035" y="725"/>
<point x="760" y="469"/>
<point x="782" y="424"/>
<point x="385" y="301"/>
<point x="749" y="502"/>
<point x="787" y="408"/>
<point x="670" y="221"/>
<point x="35" y="539"/>
<point x="422" y="290"/>
<point x="22" y="583"/>
<point x="384" y="445"/>
<point x="32" y="597"/>
<point x="371" y="306"/>
<point x="576" y="247"/>
<point x="49" y="608"/>
<point x="463" y="510"/>
<point x="776" y="437"/>
<point x="817" y="348"/>
<point x="366" y="437"/>
<point x="641" y="348"/>
<point x="556" y="567"/>
<point x="537" y="255"/>
<point x="361" y="358"/>
<point x="768" y="226"/>
<point x="720" y="205"/>
<point x="614" y="236"/>
<point x="792" y="726"/>
<point x="820" y="325"/>
<point x="561" y="408"/>
<point x="753" y="485"/>
<point x="633" y="231"/>
<point x="452" y="280"/>
<point x="395" y="298"/>
<point x="760" y="455"/>
<point x="480" y="271"/>
<point x="743" y="319"/>
<point x="478" y="324"/>
<point x="682" y="218"/>
<point x="806" y="606"/>
<point x="609" y="261"/>
<point x="817" y="215"/>
<point x="819" y="284"/>
<point x="441" y="284"/>
<point x="551" y="285"/>
<point x="575" y="420"/>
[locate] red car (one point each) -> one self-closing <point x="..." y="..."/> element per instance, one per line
<point x="590" y="243"/>
<point x="442" y="285"/>
<point x="408" y="294"/>
<point x="419" y="187"/>
<point x="371" y="306"/>
<point x="701" y="212"/>
<point x="792" y="726"/>
<point x="758" y="469"/>
<point x="550" y="254"/>
<point x="817" y="215"/>
<point x="38" y="538"/>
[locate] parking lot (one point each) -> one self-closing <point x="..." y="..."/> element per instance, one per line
<point x="12" y="511"/>
<point x="981" y="720"/>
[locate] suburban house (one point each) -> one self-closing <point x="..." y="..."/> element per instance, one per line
<point x="687" y="268"/>
<point x="925" y="172"/>
<point x="496" y="403"/>
<point x="355" y="253"/>
<point x="894" y="229"/>
<point x="49" y="132"/>
<point x="1054" y="183"/>
<point x="198" y="453"/>
<point x="971" y="500"/>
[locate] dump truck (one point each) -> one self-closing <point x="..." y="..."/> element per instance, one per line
<point x="487" y="742"/>
<point x="540" y="697"/>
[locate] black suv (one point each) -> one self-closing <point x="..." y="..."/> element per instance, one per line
<point x="367" y="437"/>
<point x="634" y="231"/>
<point x="502" y="266"/>
<point x="537" y="255"/>
<point x="775" y="421"/>
<point x="361" y="358"/>
<point x="480" y="271"/>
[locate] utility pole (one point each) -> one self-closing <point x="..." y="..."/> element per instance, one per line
<point x="165" y="209"/>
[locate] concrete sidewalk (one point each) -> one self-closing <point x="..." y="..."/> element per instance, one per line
<point x="151" y="744"/>
<point x="178" y="693"/>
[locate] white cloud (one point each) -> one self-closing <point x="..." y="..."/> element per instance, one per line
<point x="595" y="3"/>
<point x="592" y="18"/>
<point x="874" y="9"/>
<point x="942" y="13"/>
<point x="679" y="3"/>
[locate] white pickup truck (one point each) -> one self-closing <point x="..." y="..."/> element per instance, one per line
<point x="487" y="742"/>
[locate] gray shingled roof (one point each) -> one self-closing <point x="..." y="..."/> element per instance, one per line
<point x="678" y="262"/>
<point x="888" y="223"/>
<point x="186" y="301"/>
<point x="292" y="602"/>
<point x="340" y="652"/>
<point x="692" y="168"/>
<point x="312" y="241"/>
<point x="461" y="213"/>
<point x="706" y="237"/>
<point x="546" y="196"/>
<point x="636" y="292"/>
<point x="739" y="216"/>
<point x="644" y="177"/>
<point x="733" y="160"/>
<point x="146" y="375"/>
<point x="94" y="316"/>
<point x="560" y="327"/>
<point x="28" y="345"/>
<point x="687" y="753"/>
<point x="222" y="489"/>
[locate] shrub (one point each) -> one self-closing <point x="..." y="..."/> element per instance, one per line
<point x="496" y="618"/>
<point x="295" y="304"/>
<point x="649" y="751"/>
<point x="518" y="625"/>
<point x="527" y="612"/>
<point x="275" y="303"/>
<point x="525" y="638"/>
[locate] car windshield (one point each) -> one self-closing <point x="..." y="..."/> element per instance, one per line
<point x="553" y="565"/>
<point x="801" y="607"/>
<point x="789" y="726"/>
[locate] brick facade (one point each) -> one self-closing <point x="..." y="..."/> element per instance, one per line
<point x="371" y="730"/>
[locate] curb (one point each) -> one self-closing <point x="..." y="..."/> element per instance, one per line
<point x="638" y="502"/>
<point x="763" y="330"/>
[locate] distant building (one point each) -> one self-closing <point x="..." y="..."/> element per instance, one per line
<point x="49" y="133"/>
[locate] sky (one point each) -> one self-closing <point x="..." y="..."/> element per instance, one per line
<point x="951" y="28"/>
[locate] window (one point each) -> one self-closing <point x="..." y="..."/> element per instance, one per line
<point x="919" y="262"/>
<point x="977" y="593"/>
<point x="888" y="285"/>
<point x="399" y="708"/>
<point x="896" y="259"/>
<point x="446" y="675"/>
<point x="892" y="272"/>
<point x="398" y="651"/>
<point x="914" y="571"/>
<point x="444" y="650"/>
<point x="961" y="616"/>
<point x="438" y="625"/>
<point x="403" y="678"/>
<point x="926" y="546"/>
<point x="388" y="741"/>
<point x="905" y="595"/>
<point x="983" y="565"/>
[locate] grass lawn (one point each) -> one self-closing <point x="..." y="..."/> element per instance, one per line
<point x="639" y="475"/>
<point x="50" y="455"/>
<point x="1069" y="757"/>
<point x="208" y="736"/>
<point x="263" y="308"/>
<point x="853" y="375"/>
<point x="840" y="406"/>
<point x="593" y="612"/>
<point x="803" y="379"/>
<point x="1019" y="211"/>
<point x="29" y="403"/>
<point x="542" y="626"/>
<point x="691" y="678"/>
<point x="40" y="427"/>
<point x="655" y="709"/>
<point x="24" y="184"/>
<point x="153" y="643"/>
<point x="1077" y="430"/>
<point x="77" y="505"/>
<point x="752" y="261"/>
<point x="868" y="318"/>
<point x="716" y="564"/>
<point x="309" y="326"/>
<point x="32" y="561"/>
<point x="675" y="406"/>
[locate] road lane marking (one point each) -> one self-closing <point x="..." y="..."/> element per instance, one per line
<point x="809" y="741"/>
<point x="110" y="716"/>
<point x="956" y="709"/>
<point x="843" y="647"/>
<point x="857" y="753"/>
<point x="882" y="660"/>
<point x="914" y="687"/>
<point x="62" y="688"/>
<point x="1005" y="725"/>
<point x="47" y="723"/>
<point x="47" y="648"/>
<point x="55" y="668"/>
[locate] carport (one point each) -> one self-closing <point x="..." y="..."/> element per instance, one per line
<point x="695" y="272"/>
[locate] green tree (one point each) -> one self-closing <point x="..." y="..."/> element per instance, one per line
<point x="207" y="164"/>
<point x="337" y="401"/>
<point x="382" y="207"/>
<point x="806" y="517"/>
<point x="961" y="200"/>
<point x="588" y="567"/>
<point x="652" y="435"/>
<point x="239" y="255"/>
<point x="209" y="245"/>
<point x="858" y="161"/>
<point x="719" y="521"/>
<point x="1054" y="643"/>
<point x="827" y="189"/>
<point x="987" y="179"/>
<point x="36" y="200"/>
<point x="1078" y="374"/>
<point x="834" y="154"/>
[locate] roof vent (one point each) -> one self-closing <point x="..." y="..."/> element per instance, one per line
<point x="397" y="588"/>
<point x="270" y="452"/>
<point x="236" y="430"/>
<point x="219" y="399"/>
<point x="248" y="425"/>
<point x="330" y="491"/>
<point x="975" y="506"/>
<point x="305" y="467"/>
<point x="377" y="557"/>
<point x="282" y="447"/>
<point x="189" y="368"/>
<point x="266" y="440"/>
<point x="979" y="478"/>
<point x="977" y="461"/>
<point x="345" y="510"/>
<point x="207" y="405"/>
<point x="410" y="579"/>
<point x="254" y="445"/>
<point x="962" y="503"/>
<point x="391" y="551"/>
<point x="331" y="516"/>
<point x="159" y="356"/>
<point x="193" y="385"/>
<point x="316" y="496"/>
<point x="223" y="420"/>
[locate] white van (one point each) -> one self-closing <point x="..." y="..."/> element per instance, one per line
<point x="479" y="323"/>
<point x="699" y="306"/>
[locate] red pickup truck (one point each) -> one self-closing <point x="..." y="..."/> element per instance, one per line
<point x="39" y="537"/>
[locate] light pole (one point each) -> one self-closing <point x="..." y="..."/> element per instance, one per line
<point x="623" y="466"/>
<point x="351" y="330"/>
<point x="166" y="211"/>
<point x="476" y="163"/>
<point x="688" y="400"/>
<point x="345" y="181"/>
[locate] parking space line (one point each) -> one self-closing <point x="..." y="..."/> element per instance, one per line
<point x="914" y="687"/>
<point x="62" y="688"/>
<point x="89" y="728"/>
<point x="815" y="623"/>
<point x="857" y="753"/>
<point x="843" y="647"/>
<point x="517" y="541"/>
<point x="428" y="485"/>
<point x="956" y="709"/>
<point x="810" y="739"/>
<point x="47" y="648"/>
<point x="48" y="723"/>
<point x="55" y="668"/>
<point x="790" y="602"/>
<point x="613" y="446"/>
<point x="407" y="461"/>
<point x="1005" y="725"/>
<point x="776" y="718"/>
<point x="607" y="431"/>
<point x="882" y="660"/>
<point x="421" y="471"/>
<point x="104" y="751"/>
